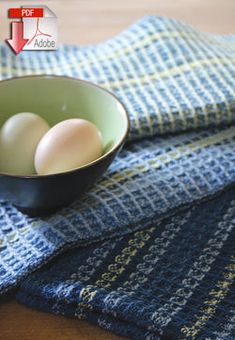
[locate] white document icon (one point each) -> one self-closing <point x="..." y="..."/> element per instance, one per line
<point x="42" y="33"/>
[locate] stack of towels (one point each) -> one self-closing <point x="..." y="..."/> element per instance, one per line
<point x="149" y="252"/>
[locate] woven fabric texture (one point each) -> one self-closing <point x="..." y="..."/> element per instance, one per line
<point x="171" y="77"/>
<point x="173" y="280"/>
<point x="178" y="87"/>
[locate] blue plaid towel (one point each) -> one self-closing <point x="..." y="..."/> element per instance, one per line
<point x="155" y="234"/>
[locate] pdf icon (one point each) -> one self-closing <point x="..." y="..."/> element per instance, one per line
<point x="36" y="29"/>
<point x="41" y="32"/>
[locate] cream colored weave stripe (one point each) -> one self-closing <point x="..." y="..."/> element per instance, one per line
<point x="171" y="72"/>
<point x="148" y="40"/>
<point x="178" y="153"/>
<point x="216" y="296"/>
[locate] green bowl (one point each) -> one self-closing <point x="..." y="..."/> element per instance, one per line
<point x="55" y="99"/>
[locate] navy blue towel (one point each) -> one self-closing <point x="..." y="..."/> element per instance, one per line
<point x="173" y="280"/>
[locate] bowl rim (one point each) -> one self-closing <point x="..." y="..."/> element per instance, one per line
<point x="112" y="150"/>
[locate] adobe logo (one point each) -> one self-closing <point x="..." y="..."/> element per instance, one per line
<point x="36" y="29"/>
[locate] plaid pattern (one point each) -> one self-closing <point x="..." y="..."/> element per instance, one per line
<point x="172" y="79"/>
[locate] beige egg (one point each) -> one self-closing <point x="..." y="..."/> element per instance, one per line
<point x="68" y="145"/>
<point x="19" y="137"/>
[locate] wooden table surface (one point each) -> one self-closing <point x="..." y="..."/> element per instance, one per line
<point x="85" y="22"/>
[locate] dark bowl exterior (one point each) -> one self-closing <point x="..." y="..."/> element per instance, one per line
<point x="42" y="195"/>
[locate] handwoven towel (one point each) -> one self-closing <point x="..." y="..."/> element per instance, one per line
<point x="173" y="80"/>
<point x="171" y="77"/>
<point x="173" y="280"/>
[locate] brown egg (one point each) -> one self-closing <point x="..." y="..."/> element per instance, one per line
<point x="68" y="145"/>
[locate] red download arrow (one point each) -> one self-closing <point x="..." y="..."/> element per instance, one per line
<point x="17" y="41"/>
